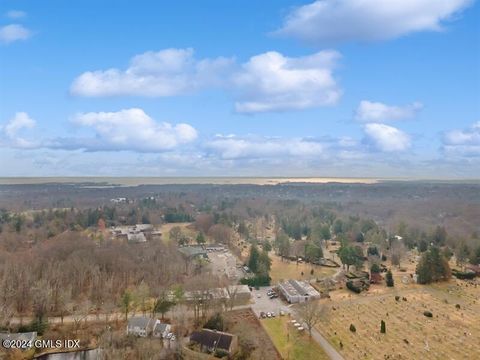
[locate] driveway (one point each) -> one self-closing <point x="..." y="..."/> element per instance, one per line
<point x="265" y="304"/>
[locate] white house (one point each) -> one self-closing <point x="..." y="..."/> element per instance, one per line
<point x="161" y="330"/>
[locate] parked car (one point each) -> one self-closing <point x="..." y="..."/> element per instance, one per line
<point x="263" y="315"/>
<point x="173" y="338"/>
<point x="169" y="335"/>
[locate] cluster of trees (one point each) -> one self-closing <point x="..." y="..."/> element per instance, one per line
<point x="259" y="264"/>
<point x="433" y="266"/>
<point x="351" y="255"/>
<point x="73" y="274"/>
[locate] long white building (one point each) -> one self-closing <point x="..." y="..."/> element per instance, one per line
<point x="296" y="291"/>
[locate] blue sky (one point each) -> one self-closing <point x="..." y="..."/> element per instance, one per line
<point x="214" y="88"/>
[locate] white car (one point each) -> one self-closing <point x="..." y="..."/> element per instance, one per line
<point x="169" y="335"/>
<point x="173" y="338"/>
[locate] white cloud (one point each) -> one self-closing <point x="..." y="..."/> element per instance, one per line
<point x="164" y="73"/>
<point x="387" y="138"/>
<point x="234" y="147"/>
<point x="267" y="82"/>
<point x="13" y="32"/>
<point x="16" y="14"/>
<point x="378" y="112"/>
<point x="273" y="82"/>
<point x="463" y="142"/>
<point x="129" y="129"/>
<point x="326" y="21"/>
<point x="20" y="121"/>
<point x="14" y="127"/>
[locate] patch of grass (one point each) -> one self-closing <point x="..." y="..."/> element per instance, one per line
<point x="290" y="342"/>
<point x="290" y="270"/>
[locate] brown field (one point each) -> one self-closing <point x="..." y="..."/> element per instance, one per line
<point x="451" y="334"/>
<point x="291" y="270"/>
<point x="264" y="345"/>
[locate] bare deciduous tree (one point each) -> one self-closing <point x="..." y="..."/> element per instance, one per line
<point x="311" y="313"/>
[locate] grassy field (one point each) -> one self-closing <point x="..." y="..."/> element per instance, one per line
<point x="165" y="229"/>
<point x="290" y="270"/>
<point x="290" y="343"/>
<point x="452" y="333"/>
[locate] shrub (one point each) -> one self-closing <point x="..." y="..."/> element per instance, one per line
<point x="457" y="306"/>
<point x="353" y="287"/>
<point x="464" y="275"/>
<point x="215" y="323"/>
<point x="36" y="325"/>
<point x="353" y="328"/>
<point x="428" y="314"/>
<point x="220" y="353"/>
<point x="397" y="298"/>
<point x="383" y="328"/>
<point x="375" y="269"/>
<point x="256" y="281"/>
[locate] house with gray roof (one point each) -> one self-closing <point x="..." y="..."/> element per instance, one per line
<point x="141" y="326"/>
<point x="24" y="338"/>
<point x="161" y="330"/>
<point x="213" y="340"/>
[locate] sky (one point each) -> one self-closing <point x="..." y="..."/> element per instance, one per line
<point x="327" y="88"/>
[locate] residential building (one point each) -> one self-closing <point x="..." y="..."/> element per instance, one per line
<point x="212" y="340"/>
<point x="141" y="326"/>
<point x="161" y="330"/>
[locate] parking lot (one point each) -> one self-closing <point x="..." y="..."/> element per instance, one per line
<point x="264" y="304"/>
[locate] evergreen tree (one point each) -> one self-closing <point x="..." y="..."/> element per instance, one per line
<point x="383" y="328"/>
<point x="200" y="238"/>
<point x="433" y="267"/>
<point x="389" y="279"/>
<point x="253" y="259"/>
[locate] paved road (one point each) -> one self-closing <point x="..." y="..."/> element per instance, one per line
<point x="332" y="353"/>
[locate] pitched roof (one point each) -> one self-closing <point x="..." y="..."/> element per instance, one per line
<point x="161" y="327"/>
<point x="212" y="339"/>
<point x="140" y="321"/>
<point x="191" y="251"/>
<point x="19" y="336"/>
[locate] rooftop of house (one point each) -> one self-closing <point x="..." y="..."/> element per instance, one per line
<point x="27" y="336"/>
<point x="212" y="339"/>
<point x="191" y="251"/>
<point x="141" y="322"/>
<point x="161" y="327"/>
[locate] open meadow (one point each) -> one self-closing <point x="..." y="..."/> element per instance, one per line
<point x="286" y="269"/>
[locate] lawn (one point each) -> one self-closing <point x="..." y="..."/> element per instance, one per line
<point x="284" y="270"/>
<point x="290" y="343"/>
<point x="165" y="229"/>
